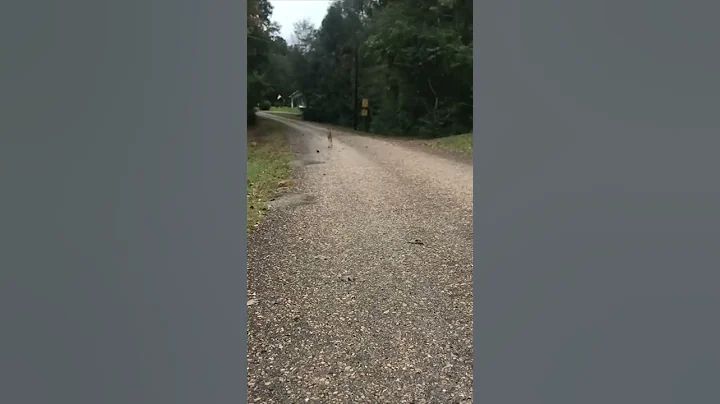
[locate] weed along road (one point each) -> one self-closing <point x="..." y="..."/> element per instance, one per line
<point x="360" y="277"/>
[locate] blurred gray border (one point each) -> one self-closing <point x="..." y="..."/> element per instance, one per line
<point x="239" y="63"/>
<point x="122" y="201"/>
<point x="596" y="192"/>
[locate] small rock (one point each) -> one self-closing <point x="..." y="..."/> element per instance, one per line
<point x="416" y="241"/>
<point x="251" y="302"/>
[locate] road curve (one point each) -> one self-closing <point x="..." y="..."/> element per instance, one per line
<point x="360" y="279"/>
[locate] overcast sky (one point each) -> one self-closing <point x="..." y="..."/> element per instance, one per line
<point x="287" y="12"/>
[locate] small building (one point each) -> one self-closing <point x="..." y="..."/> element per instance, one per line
<point x="297" y="100"/>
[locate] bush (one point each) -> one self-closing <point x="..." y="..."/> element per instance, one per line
<point x="265" y="105"/>
<point x="314" y="114"/>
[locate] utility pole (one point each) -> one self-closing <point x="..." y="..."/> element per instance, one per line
<point x="358" y="7"/>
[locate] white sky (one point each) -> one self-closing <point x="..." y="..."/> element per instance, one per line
<point x="287" y="12"/>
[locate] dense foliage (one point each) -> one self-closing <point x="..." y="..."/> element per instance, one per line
<point x="414" y="65"/>
<point x="262" y="36"/>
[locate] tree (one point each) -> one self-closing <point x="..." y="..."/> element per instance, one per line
<point x="303" y="35"/>
<point x="260" y="33"/>
<point x="423" y="60"/>
<point x="414" y="65"/>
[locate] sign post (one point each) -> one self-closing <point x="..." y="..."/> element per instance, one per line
<point x="365" y="112"/>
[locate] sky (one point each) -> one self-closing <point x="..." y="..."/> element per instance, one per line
<point x="287" y="12"/>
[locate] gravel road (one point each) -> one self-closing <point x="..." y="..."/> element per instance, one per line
<point x="360" y="279"/>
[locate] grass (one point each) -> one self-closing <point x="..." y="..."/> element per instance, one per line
<point x="268" y="165"/>
<point x="459" y="143"/>
<point x="286" y="110"/>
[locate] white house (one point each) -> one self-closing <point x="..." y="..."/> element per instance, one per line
<point x="297" y="100"/>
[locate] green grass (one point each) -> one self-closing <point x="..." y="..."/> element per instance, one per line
<point x="459" y="143"/>
<point x="286" y="110"/>
<point x="268" y="165"/>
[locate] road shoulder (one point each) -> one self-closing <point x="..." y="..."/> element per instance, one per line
<point x="268" y="164"/>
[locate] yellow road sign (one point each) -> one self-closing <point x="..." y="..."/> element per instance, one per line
<point x="364" y="102"/>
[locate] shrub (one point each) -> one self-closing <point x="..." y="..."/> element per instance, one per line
<point x="265" y="105"/>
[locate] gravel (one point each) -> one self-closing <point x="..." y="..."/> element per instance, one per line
<point x="348" y="306"/>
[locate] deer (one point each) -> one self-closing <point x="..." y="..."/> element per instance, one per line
<point x="329" y="139"/>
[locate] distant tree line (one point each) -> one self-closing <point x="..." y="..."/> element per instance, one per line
<point x="414" y="64"/>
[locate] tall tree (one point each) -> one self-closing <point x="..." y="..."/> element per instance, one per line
<point x="260" y="34"/>
<point x="303" y="35"/>
<point x="414" y="65"/>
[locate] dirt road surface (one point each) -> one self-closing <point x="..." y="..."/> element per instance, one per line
<point x="360" y="279"/>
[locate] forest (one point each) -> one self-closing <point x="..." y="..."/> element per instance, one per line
<point x="412" y="60"/>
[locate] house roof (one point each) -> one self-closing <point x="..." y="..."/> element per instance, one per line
<point x="295" y="93"/>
